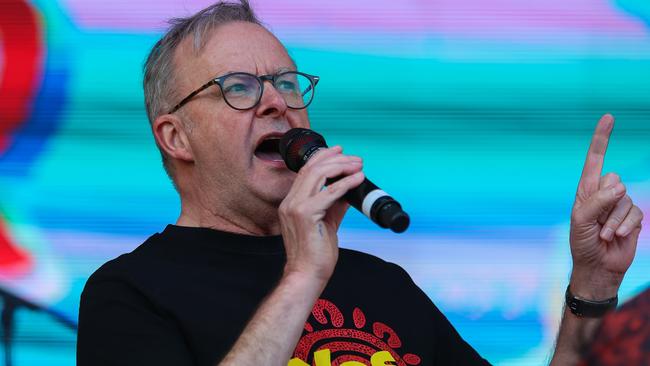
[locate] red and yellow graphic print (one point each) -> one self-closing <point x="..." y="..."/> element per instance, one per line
<point x="329" y="341"/>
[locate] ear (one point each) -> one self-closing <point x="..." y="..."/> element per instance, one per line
<point x="171" y="137"/>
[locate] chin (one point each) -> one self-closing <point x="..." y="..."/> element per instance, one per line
<point x="273" y="191"/>
<point x="271" y="184"/>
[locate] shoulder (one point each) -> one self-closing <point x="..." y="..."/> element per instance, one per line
<point x="124" y="273"/>
<point x="365" y="261"/>
<point x="375" y="271"/>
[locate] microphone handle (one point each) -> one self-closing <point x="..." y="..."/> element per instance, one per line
<point x="377" y="205"/>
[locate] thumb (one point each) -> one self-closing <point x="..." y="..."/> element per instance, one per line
<point x="599" y="203"/>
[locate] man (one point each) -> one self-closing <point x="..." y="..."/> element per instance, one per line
<point x="251" y="274"/>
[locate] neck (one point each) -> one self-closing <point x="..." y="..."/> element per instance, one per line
<point x="222" y="218"/>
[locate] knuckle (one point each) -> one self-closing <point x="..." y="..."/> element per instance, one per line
<point x="290" y="210"/>
<point x="638" y="211"/>
<point x="300" y="210"/>
<point x="606" y="208"/>
<point x="605" y="198"/>
<point x="333" y="189"/>
<point x="627" y="200"/>
<point x="602" y="198"/>
<point x="612" y="177"/>
<point x="342" y="185"/>
<point x="283" y="210"/>
<point x="613" y="221"/>
<point x="611" y="227"/>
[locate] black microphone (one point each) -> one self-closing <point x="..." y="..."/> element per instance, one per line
<point x="298" y="145"/>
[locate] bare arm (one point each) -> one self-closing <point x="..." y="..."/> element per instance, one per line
<point x="309" y="218"/>
<point x="576" y="332"/>
<point x="605" y="227"/>
<point x="272" y="333"/>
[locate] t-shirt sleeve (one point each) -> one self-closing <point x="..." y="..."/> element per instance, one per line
<point x="449" y="347"/>
<point x="118" y="326"/>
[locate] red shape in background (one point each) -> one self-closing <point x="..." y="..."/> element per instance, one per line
<point x="14" y="261"/>
<point x="20" y="77"/>
<point x="20" y="74"/>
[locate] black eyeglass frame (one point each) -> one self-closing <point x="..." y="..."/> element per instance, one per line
<point x="262" y="78"/>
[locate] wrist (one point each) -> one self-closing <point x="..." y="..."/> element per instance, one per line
<point x="304" y="279"/>
<point x="594" y="285"/>
<point x="581" y="307"/>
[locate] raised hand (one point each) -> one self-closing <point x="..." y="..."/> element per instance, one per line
<point x="605" y="224"/>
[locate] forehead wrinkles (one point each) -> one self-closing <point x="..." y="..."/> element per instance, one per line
<point x="234" y="46"/>
<point x="237" y="45"/>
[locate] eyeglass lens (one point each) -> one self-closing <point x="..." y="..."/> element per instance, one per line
<point x="243" y="91"/>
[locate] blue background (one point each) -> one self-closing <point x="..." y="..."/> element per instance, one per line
<point x="476" y="115"/>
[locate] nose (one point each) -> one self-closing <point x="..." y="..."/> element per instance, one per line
<point x="272" y="104"/>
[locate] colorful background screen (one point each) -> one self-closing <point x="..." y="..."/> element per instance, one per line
<point x="475" y="114"/>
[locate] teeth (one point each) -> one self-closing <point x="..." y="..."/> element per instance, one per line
<point x="268" y="156"/>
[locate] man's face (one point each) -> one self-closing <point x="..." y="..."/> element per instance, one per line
<point x="229" y="161"/>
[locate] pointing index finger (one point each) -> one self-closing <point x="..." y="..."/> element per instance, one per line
<point x="592" y="170"/>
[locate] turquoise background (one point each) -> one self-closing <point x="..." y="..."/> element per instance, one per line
<point x="480" y="131"/>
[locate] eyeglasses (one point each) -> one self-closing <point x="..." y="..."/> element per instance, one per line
<point x="243" y="91"/>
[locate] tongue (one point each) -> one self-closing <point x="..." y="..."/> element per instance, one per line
<point x="268" y="155"/>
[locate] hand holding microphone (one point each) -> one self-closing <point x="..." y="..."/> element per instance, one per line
<point x="298" y="145"/>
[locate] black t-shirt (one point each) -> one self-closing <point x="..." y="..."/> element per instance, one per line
<point x="184" y="296"/>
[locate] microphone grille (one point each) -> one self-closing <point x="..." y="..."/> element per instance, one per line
<point x="296" y="146"/>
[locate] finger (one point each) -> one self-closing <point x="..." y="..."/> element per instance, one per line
<point x="335" y="158"/>
<point x="323" y="154"/>
<point x="608" y="180"/>
<point x="333" y="192"/>
<point x="589" y="181"/>
<point x="628" y="244"/>
<point x="601" y="201"/>
<point x="329" y="160"/>
<point x="616" y="217"/>
<point x="632" y="239"/>
<point x="314" y="178"/>
<point x="631" y="222"/>
<point x="325" y="159"/>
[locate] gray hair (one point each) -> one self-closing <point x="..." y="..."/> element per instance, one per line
<point x="159" y="75"/>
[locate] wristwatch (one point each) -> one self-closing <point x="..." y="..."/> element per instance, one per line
<point x="589" y="308"/>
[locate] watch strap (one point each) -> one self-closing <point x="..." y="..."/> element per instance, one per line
<point x="589" y="308"/>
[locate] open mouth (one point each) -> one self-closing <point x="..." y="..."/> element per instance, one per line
<point x="269" y="149"/>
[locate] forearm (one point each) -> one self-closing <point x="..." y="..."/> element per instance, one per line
<point x="574" y="333"/>
<point x="577" y="332"/>
<point x="605" y="227"/>
<point x="309" y="220"/>
<point x="272" y="333"/>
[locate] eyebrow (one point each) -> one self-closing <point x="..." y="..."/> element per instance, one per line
<point x="277" y="71"/>
<point x="284" y="69"/>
